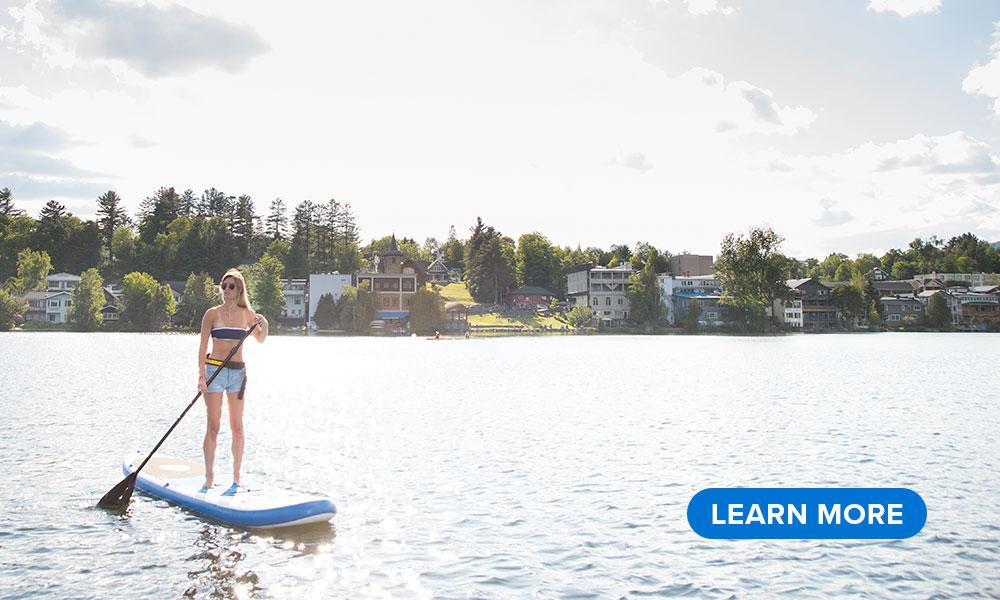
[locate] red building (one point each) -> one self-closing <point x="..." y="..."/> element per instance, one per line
<point x="529" y="296"/>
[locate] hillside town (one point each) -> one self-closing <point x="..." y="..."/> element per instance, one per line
<point x="972" y="299"/>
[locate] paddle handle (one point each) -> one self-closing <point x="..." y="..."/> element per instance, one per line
<point x="198" y="395"/>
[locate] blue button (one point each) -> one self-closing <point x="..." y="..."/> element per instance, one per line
<point x="807" y="513"/>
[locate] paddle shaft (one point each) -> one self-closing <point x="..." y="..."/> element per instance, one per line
<point x="198" y="395"/>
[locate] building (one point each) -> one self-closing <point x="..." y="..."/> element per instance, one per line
<point x="57" y="306"/>
<point x="530" y="296"/>
<point x="59" y="282"/>
<point x="968" y="279"/>
<point x="950" y="300"/>
<point x="321" y="284"/>
<point x="677" y="292"/>
<point x="898" y="311"/>
<point x="111" y="311"/>
<point x="604" y="290"/>
<point x="979" y="311"/>
<point x="895" y="287"/>
<point x="438" y="272"/>
<point x="812" y="307"/>
<point x="394" y="278"/>
<point x="37" y="306"/>
<point x="877" y="274"/>
<point x="294" y="311"/>
<point x="692" y="265"/>
<point x="456" y="317"/>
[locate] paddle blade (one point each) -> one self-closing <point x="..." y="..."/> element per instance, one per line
<point x="118" y="497"/>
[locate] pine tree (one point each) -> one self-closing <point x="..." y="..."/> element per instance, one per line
<point x="111" y="215"/>
<point x="243" y="225"/>
<point x="348" y="256"/>
<point x="157" y="212"/>
<point x="188" y="204"/>
<point x="299" y="260"/>
<point x="277" y="222"/>
<point x="7" y="204"/>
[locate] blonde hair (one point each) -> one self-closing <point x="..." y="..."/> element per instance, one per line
<point x="244" y="300"/>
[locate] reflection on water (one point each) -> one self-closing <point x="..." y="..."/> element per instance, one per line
<point x="503" y="468"/>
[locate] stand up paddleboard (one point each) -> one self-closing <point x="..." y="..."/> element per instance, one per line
<point x="179" y="481"/>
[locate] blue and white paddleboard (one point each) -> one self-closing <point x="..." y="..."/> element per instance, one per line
<point x="179" y="481"/>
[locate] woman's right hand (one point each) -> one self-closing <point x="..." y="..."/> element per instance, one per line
<point x="202" y="386"/>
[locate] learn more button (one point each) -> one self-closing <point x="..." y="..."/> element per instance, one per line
<point x="807" y="513"/>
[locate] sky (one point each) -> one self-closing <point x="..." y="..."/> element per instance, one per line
<point x="850" y="126"/>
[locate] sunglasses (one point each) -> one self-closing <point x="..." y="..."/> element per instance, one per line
<point x="229" y="286"/>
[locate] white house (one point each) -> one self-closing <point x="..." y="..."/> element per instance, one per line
<point x="604" y="290"/>
<point x="326" y="283"/>
<point x="57" y="306"/>
<point x="58" y="282"/>
<point x="674" y="288"/>
<point x="295" y="300"/>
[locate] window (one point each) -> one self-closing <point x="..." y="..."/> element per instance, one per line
<point x="595" y="301"/>
<point x="297" y="300"/>
<point x="52" y="318"/>
<point x="607" y="301"/>
<point x="712" y="315"/>
<point x="619" y="302"/>
<point x="54" y="303"/>
<point x="893" y="318"/>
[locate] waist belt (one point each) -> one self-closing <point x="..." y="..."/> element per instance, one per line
<point x="233" y="364"/>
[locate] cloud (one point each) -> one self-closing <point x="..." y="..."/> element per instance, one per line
<point x="984" y="79"/>
<point x="829" y="217"/>
<point x="905" y="8"/>
<point x="32" y="192"/>
<point x="776" y="166"/>
<point x="955" y="153"/>
<point x="707" y="7"/>
<point x="140" y="142"/>
<point x="156" y="42"/>
<point x="739" y="106"/>
<point x="638" y="161"/>
<point x="14" y="161"/>
<point x="35" y="136"/>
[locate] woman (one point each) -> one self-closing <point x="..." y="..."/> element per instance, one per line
<point x="226" y="324"/>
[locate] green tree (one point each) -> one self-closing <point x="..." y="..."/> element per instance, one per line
<point x="264" y="283"/>
<point x="579" y="316"/>
<point x="157" y="212"/>
<point x="357" y="308"/>
<point x="277" y="222"/>
<point x="426" y="312"/>
<point x="280" y="249"/>
<point x="752" y="273"/>
<point x="326" y="313"/>
<point x="489" y="264"/>
<point x="689" y="322"/>
<point x="904" y="269"/>
<point x="11" y="307"/>
<point x="243" y="222"/>
<point x="200" y="294"/>
<point x="146" y="305"/>
<point x="454" y="251"/>
<point x="7" y="208"/>
<point x="88" y="300"/>
<point x="849" y="301"/>
<point x="644" y="295"/>
<point x="538" y="263"/>
<point x="938" y="314"/>
<point x="16" y="233"/>
<point x="111" y="215"/>
<point x="32" y="269"/>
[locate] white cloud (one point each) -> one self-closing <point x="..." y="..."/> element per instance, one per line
<point x="905" y="8"/>
<point x="707" y="7"/>
<point x="984" y="80"/>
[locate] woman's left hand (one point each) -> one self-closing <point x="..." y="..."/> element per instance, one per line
<point x="259" y="319"/>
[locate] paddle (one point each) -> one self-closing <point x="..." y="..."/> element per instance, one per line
<point x="118" y="497"/>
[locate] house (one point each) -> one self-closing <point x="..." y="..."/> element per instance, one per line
<point x="394" y="278"/>
<point x="812" y="307"/>
<point x="968" y="279"/>
<point x="950" y="300"/>
<point x="895" y="287"/>
<point x="898" y="311"/>
<point x="979" y="311"/>
<point x="677" y="292"/>
<point x="456" y="317"/>
<point x="603" y="289"/>
<point x="59" y="282"/>
<point x="530" y="296"/>
<point x="321" y="284"/>
<point x="57" y="306"/>
<point x="111" y="311"/>
<point x="37" y="306"/>
<point x="294" y="311"/>
<point x="437" y="271"/>
<point x="695" y="265"/>
<point x="877" y="274"/>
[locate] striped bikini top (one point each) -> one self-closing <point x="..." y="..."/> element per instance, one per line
<point x="228" y="333"/>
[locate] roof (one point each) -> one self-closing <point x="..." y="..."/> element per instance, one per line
<point x="583" y="267"/>
<point x="984" y="289"/>
<point x="437" y="266"/>
<point x="450" y="306"/>
<point x="898" y="300"/>
<point x="696" y="295"/>
<point x="63" y="276"/>
<point x="392" y="314"/>
<point x="903" y="285"/>
<point x="532" y="290"/>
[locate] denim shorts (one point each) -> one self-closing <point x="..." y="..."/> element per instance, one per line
<point x="229" y="380"/>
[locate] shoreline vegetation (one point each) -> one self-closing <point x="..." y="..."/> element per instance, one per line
<point x="158" y="271"/>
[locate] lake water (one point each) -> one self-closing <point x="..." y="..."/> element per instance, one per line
<point x="506" y="468"/>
